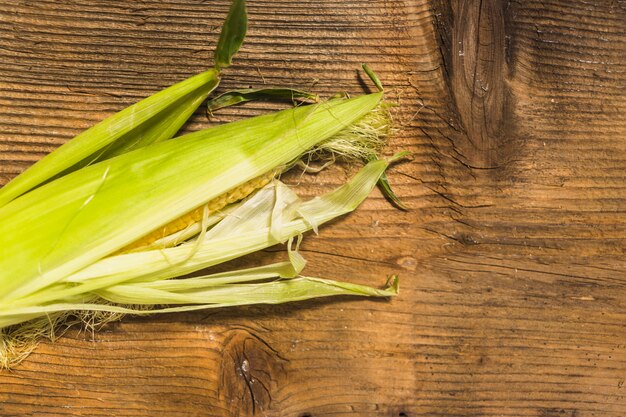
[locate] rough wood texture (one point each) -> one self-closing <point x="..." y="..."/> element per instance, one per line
<point x="512" y="258"/>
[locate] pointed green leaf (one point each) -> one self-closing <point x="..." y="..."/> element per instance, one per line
<point x="372" y="75"/>
<point x="274" y="292"/>
<point x="232" y="35"/>
<point x="153" y="119"/>
<point x="230" y="98"/>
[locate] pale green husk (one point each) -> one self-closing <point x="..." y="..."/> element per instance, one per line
<point x="154" y="119"/>
<point x="68" y="224"/>
<point x="64" y="221"/>
<point x="59" y="242"/>
<point x="143" y="277"/>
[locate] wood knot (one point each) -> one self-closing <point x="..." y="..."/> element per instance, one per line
<point x="407" y="262"/>
<point x="475" y="56"/>
<point x="250" y="371"/>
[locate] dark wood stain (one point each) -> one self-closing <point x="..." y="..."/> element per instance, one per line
<point x="511" y="259"/>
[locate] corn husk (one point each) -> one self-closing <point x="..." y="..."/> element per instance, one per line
<point x="66" y="224"/>
<point x="154" y="119"/>
<point x="143" y="278"/>
<point x="60" y="243"/>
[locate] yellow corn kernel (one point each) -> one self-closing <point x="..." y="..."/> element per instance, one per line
<point x="195" y="215"/>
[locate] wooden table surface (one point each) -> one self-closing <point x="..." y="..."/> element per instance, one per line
<point x="512" y="258"/>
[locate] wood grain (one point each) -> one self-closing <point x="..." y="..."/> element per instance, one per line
<point x="512" y="257"/>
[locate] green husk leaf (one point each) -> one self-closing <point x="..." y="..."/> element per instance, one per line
<point x="248" y="229"/>
<point x="274" y="292"/>
<point x="160" y="128"/>
<point x="231" y="98"/>
<point x="153" y="119"/>
<point x="232" y="35"/>
<point x="372" y="75"/>
<point x="383" y="183"/>
<point x="390" y="194"/>
<point x="72" y="222"/>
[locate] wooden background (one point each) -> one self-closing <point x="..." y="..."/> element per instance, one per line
<point x="512" y="258"/>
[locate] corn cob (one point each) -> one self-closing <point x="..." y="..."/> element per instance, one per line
<point x="64" y="222"/>
<point x="218" y="203"/>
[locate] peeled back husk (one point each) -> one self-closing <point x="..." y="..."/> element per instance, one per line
<point x="72" y="222"/>
<point x="143" y="278"/>
<point x="99" y="228"/>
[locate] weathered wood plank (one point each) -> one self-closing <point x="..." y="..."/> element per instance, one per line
<point x="512" y="258"/>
